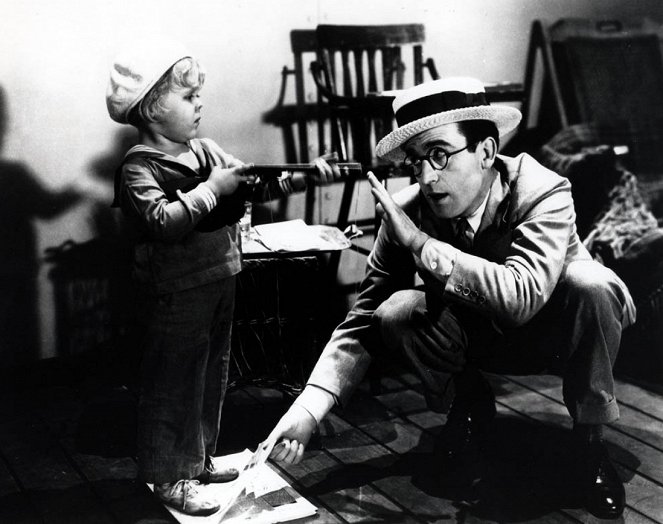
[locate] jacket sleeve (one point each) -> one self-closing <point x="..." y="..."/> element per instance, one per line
<point x="144" y="201"/>
<point x="346" y="356"/>
<point x="514" y="290"/>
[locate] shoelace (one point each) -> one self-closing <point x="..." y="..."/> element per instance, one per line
<point x="186" y="486"/>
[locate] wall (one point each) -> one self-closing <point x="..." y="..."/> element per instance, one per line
<point x="56" y="56"/>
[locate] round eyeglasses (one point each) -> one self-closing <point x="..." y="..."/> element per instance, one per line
<point x="437" y="157"/>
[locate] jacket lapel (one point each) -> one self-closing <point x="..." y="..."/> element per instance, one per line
<point x="497" y="205"/>
<point x="493" y="234"/>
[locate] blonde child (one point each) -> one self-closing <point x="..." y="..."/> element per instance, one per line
<point x="182" y="196"/>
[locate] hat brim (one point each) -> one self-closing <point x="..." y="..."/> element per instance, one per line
<point x="506" y="119"/>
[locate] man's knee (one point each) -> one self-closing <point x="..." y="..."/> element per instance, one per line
<point x="588" y="284"/>
<point x="405" y="313"/>
<point x="396" y="314"/>
<point x="587" y="277"/>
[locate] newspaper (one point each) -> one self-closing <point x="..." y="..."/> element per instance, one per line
<point x="258" y="496"/>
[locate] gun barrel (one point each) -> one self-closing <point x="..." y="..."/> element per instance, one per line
<point x="273" y="170"/>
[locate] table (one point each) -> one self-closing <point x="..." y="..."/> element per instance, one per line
<point x="278" y="329"/>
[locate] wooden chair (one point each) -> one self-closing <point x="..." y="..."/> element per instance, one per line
<point x="356" y="67"/>
<point x="294" y="118"/>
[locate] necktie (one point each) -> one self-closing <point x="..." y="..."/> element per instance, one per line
<point x="464" y="235"/>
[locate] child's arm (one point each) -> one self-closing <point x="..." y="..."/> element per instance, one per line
<point x="142" y="198"/>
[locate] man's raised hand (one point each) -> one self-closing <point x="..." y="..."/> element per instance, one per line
<point x="406" y="233"/>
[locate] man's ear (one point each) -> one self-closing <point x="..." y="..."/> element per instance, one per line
<point x="488" y="148"/>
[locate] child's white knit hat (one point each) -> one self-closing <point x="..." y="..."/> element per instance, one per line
<point x="135" y="71"/>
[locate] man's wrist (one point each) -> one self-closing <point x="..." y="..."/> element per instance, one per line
<point x="418" y="243"/>
<point x="316" y="401"/>
<point x="305" y="410"/>
<point x="439" y="258"/>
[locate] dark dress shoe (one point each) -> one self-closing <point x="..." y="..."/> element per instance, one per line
<point x="213" y="475"/>
<point x="467" y="420"/>
<point x="604" y="490"/>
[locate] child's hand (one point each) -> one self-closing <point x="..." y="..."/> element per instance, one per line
<point x="225" y="181"/>
<point x="328" y="170"/>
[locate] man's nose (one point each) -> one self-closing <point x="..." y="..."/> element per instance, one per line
<point x="428" y="174"/>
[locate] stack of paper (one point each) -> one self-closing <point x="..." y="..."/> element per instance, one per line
<point x="297" y="236"/>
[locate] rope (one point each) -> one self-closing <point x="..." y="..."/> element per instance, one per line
<point x="626" y="219"/>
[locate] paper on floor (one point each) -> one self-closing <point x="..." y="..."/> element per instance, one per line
<point x="270" y="498"/>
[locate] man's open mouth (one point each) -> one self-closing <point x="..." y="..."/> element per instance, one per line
<point x="437" y="196"/>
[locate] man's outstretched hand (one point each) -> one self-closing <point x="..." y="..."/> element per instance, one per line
<point x="291" y="435"/>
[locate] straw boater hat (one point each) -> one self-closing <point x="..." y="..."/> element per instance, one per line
<point x="439" y="102"/>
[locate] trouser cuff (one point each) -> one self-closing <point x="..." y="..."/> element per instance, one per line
<point x="170" y="468"/>
<point x="596" y="413"/>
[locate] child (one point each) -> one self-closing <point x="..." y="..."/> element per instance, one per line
<point x="183" y="197"/>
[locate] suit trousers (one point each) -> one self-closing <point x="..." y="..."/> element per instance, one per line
<point x="183" y="379"/>
<point x="576" y="334"/>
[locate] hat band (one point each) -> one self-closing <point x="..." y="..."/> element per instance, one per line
<point x="438" y="103"/>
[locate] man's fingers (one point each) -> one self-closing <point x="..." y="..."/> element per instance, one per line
<point x="336" y="171"/>
<point x="375" y="182"/>
<point x="280" y="450"/>
<point x="271" y="443"/>
<point x="330" y="156"/>
<point x="300" y="453"/>
<point x="381" y="193"/>
<point x="292" y="452"/>
<point x="326" y="172"/>
<point x="288" y="451"/>
<point x="381" y="196"/>
<point x="296" y="452"/>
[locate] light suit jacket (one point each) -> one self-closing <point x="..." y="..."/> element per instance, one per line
<point x="526" y="239"/>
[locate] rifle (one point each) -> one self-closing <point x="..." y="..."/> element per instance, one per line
<point x="230" y="208"/>
<point x="264" y="171"/>
<point x="267" y="171"/>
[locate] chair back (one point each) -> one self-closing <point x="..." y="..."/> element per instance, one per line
<point x="355" y="65"/>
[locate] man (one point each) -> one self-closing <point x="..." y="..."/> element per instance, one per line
<point x="507" y="285"/>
